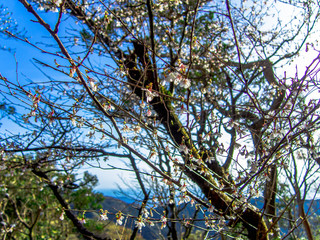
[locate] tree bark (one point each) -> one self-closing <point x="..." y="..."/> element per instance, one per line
<point x="250" y="217"/>
<point x="83" y="230"/>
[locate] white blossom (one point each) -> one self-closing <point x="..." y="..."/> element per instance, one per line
<point x="73" y="121"/>
<point x="61" y="216"/>
<point x="185" y="83"/>
<point x="211" y="209"/>
<point x="72" y="71"/>
<point x="210" y="160"/>
<point x="145" y="212"/>
<point x="82" y="220"/>
<point x="183" y="148"/>
<point x="103" y="216"/>
<point x="136" y="129"/>
<point x="183" y="188"/>
<point x="93" y="85"/>
<point x="150" y="95"/>
<point x="119" y="221"/>
<point x="184" y="199"/>
<point x="164" y="222"/>
<point x="143" y="104"/>
<point x="139" y="224"/>
<point x="172" y="77"/>
<point x="108" y="107"/>
<point x="119" y="218"/>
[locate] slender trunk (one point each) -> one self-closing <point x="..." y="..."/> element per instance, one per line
<point x="290" y="220"/>
<point x="135" y="230"/>
<point x="251" y="218"/>
<point x="188" y="228"/>
<point x="139" y="79"/>
<point x="304" y="218"/>
<point x="270" y="199"/>
<point x="172" y="234"/>
<point x="68" y="211"/>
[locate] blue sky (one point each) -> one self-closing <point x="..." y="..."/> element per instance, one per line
<point x="23" y="52"/>
<point x="24" y="68"/>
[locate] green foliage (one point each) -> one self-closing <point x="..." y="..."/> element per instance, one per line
<point x="186" y="94"/>
<point x="92" y="200"/>
<point x="110" y="229"/>
<point x="196" y="235"/>
<point x="30" y="210"/>
<point x="28" y="207"/>
<point x="6" y="110"/>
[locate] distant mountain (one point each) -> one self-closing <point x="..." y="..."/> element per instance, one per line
<point x="115" y="193"/>
<point x="259" y="202"/>
<point x="113" y="205"/>
<point x="126" y="205"/>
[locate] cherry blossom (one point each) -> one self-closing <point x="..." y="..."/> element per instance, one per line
<point x="184" y="149"/>
<point x="193" y="96"/>
<point x="163" y="222"/>
<point x="93" y="84"/>
<point x="185" y="83"/>
<point x="139" y="223"/>
<point x="103" y="215"/>
<point x="61" y="216"/>
<point x="119" y="218"/>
